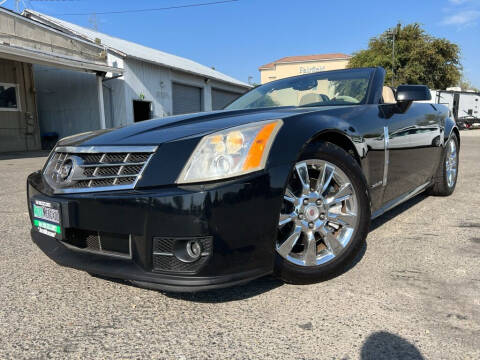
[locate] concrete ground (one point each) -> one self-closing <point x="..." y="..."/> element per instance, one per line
<point x="414" y="293"/>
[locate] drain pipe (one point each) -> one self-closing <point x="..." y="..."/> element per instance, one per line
<point x="110" y="96"/>
<point x="101" y="105"/>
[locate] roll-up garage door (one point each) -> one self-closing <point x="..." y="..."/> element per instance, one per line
<point x="186" y="99"/>
<point x="221" y="98"/>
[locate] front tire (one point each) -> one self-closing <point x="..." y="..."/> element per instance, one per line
<point x="325" y="216"/>
<point x="445" y="180"/>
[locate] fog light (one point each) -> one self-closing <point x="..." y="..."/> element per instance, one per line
<point x="194" y="249"/>
<point x="188" y="250"/>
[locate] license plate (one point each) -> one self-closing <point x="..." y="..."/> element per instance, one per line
<point x="47" y="218"/>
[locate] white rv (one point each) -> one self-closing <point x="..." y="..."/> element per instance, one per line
<point x="464" y="105"/>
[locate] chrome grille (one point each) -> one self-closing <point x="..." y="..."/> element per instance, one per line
<point x="98" y="168"/>
<point x="92" y="158"/>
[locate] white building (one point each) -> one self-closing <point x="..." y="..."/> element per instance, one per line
<point x="23" y="43"/>
<point x="148" y="84"/>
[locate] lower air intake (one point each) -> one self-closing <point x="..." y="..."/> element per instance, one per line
<point x="103" y="243"/>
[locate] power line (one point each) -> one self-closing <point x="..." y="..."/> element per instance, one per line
<point x="153" y="9"/>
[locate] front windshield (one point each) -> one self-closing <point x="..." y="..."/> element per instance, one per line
<point x="346" y="87"/>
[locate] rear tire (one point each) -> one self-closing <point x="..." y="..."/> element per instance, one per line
<point x="445" y="180"/>
<point x="316" y="217"/>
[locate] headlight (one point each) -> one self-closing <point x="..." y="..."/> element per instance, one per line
<point x="231" y="152"/>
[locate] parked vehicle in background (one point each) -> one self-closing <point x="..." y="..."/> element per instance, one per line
<point x="463" y="105"/>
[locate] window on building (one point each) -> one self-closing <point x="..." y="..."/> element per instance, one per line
<point x="9" y="97"/>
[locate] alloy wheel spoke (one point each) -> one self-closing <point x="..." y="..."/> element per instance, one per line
<point x="345" y="189"/>
<point x="288" y="244"/>
<point x="326" y="178"/>
<point x="302" y="172"/>
<point x="451" y="163"/>
<point x="310" y="251"/>
<point x="285" y="219"/>
<point x="289" y="196"/>
<point x="289" y="199"/>
<point x="452" y="147"/>
<point x="451" y="176"/>
<point x="344" y="219"/>
<point x="344" y="193"/>
<point x="332" y="243"/>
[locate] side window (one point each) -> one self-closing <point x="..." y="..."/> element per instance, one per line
<point x="9" y="100"/>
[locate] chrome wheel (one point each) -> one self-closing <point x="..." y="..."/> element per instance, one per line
<point x="319" y="214"/>
<point x="451" y="163"/>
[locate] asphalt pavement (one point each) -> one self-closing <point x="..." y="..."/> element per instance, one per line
<point x="413" y="293"/>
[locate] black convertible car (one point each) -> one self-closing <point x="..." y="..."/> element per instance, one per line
<point x="285" y="180"/>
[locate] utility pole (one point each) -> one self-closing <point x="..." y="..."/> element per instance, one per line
<point x="17" y="5"/>
<point x="92" y="20"/>
<point x="393" y="33"/>
<point x="393" y="59"/>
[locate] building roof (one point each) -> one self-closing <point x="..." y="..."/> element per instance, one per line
<point x="43" y="45"/>
<point x="134" y="50"/>
<point x="305" y="58"/>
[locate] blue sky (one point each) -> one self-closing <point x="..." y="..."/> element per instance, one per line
<point x="237" y="37"/>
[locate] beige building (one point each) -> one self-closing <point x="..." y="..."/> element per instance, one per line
<point x="299" y="65"/>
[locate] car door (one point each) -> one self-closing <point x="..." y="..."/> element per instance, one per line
<point x="413" y="141"/>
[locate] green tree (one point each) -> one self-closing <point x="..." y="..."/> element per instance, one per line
<point x="467" y="85"/>
<point x="419" y="57"/>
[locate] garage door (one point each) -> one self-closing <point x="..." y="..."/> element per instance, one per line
<point x="186" y="99"/>
<point x="221" y="98"/>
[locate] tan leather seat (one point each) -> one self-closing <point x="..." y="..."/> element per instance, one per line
<point x="388" y="96"/>
<point x="309" y="98"/>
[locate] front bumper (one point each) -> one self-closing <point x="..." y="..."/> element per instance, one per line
<point x="239" y="216"/>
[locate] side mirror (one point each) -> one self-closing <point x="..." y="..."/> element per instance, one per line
<point x="413" y="93"/>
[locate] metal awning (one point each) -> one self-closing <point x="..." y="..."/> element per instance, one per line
<point x="35" y="56"/>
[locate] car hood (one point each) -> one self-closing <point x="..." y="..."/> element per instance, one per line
<point x="158" y="131"/>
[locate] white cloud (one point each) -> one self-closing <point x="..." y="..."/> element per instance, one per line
<point x="462" y="18"/>
<point x="458" y="2"/>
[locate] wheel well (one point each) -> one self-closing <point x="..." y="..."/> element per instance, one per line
<point x="339" y="140"/>
<point x="455" y="130"/>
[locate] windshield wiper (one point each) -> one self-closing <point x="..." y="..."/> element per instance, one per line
<point x="324" y="103"/>
<point x="320" y="103"/>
